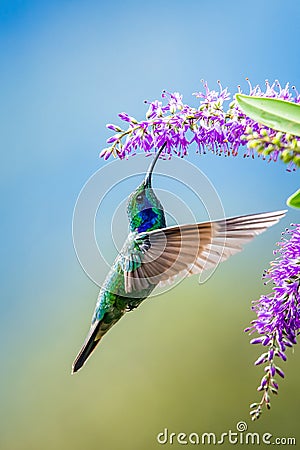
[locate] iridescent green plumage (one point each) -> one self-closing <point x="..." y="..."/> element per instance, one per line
<point x="145" y="213"/>
<point x="155" y="254"/>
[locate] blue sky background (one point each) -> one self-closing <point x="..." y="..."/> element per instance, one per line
<point x="67" y="69"/>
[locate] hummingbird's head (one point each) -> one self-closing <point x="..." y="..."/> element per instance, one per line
<point x="144" y="210"/>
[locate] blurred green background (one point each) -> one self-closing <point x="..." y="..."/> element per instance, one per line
<point x="181" y="360"/>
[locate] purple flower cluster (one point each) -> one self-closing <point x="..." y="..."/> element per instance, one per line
<point x="209" y="125"/>
<point x="278" y="314"/>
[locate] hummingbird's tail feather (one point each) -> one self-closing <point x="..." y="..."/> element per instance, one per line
<point x="92" y="340"/>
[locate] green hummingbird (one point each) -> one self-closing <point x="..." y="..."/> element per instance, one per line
<point x="154" y="254"/>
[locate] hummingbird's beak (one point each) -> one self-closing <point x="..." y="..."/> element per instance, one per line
<point x="148" y="177"/>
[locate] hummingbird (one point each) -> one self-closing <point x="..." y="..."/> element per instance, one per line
<point x="154" y="254"/>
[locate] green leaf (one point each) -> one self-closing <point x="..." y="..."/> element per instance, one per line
<point x="294" y="200"/>
<point x="274" y="113"/>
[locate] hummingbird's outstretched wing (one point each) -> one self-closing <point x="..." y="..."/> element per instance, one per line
<point x="185" y="250"/>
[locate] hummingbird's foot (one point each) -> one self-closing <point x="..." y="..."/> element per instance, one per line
<point x="132" y="305"/>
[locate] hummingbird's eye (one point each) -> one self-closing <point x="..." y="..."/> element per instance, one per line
<point x="139" y="198"/>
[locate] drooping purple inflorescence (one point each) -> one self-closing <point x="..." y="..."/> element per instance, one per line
<point x="278" y="314"/>
<point x="209" y="125"/>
